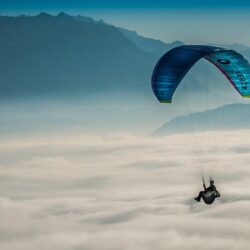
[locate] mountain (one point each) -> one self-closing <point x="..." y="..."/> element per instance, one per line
<point x="228" y="117"/>
<point x="150" y="45"/>
<point x="67" y="55"/>
<point x="64" y="54"/>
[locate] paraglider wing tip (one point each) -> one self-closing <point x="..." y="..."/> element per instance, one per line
<point x="166" y="101"/>
<point x="246" y="96"/>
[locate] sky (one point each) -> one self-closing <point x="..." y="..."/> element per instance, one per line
<point x="191" y="21"/>
<point x="130" y="4"/>
<point x="124" y="192"/>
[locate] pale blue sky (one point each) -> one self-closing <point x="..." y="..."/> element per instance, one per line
<point x="188" y="25"/>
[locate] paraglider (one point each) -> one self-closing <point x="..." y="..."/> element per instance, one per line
<point x="209" y="194"/>
<point x="174" y="65"/>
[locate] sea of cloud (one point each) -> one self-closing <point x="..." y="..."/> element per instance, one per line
<point x="124" y="192"/>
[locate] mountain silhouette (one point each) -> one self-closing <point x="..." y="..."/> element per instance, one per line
<point x="228" y="117"/>
<point x="64" y="54"/>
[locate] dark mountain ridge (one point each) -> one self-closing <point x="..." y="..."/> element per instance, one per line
<point x="63" y="55"/>
<point x="45" y="53"/>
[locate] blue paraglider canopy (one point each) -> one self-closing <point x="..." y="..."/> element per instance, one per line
<point x="173" y="66"/>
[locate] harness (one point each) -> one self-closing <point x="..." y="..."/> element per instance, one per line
<point x="209" y="196"/>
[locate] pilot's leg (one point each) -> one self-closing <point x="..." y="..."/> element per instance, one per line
<point x="200" y="195"/>
<point x="217" y="195"/>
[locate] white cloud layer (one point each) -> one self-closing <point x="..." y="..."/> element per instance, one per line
<point x="124" y="192"/>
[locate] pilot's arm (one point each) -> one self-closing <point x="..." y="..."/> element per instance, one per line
<point x="204" y="185"/>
